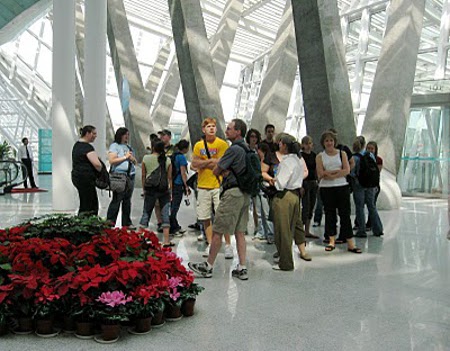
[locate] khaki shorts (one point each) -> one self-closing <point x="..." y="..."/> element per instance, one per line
<point x="232" y="213"/>
<point x="205" y="199"/>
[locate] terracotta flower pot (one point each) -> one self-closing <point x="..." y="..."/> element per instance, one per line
<point x="187" y="308"/>
<point x="44" y="326"/>
<point x="25" y="324"/>
<point x="143" y="324"/>
<point x="85" y="328"/>
<point x="110" y="331"/>
<point x="158" y="319"/>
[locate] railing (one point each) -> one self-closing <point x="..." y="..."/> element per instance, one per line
<point x="12" y="173"/>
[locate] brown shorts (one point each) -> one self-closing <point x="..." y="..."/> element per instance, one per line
<point x="232" y="213"/>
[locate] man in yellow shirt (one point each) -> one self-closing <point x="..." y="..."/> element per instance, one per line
<point x="204" y="159"/>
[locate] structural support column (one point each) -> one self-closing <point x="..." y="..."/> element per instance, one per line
<point x="389" y="103"/>
<point x="95" y="71"/>
<point x="155" y="75"/>
<point x="323" y="69"/>
<point x="276" y="88"/>
<point x="126" y="67"/>
<point x="201" y="94"/>
<point x="220" y="48"/>
<point x="63" y="104"/>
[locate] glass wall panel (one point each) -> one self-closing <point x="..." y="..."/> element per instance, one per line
<point x="376" y="32"/>
<point x="354" y="28"/>
<point x="425" y="159"/>
<point x="28" y="48"/>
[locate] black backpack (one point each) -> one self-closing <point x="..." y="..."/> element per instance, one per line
<point x="250" y="180"/>
<point x="368" y="174"/>
<point x="157" y="180"/>
<point x="102" y="180"/>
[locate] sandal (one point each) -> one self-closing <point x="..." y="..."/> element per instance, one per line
<point x="170" y="244"/>
<point x="329" y="248"/>
<point x="355" y="250"/>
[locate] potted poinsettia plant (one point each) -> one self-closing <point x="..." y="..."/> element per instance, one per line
<point x="147" y="308"/>
<point x="45" y="308"/>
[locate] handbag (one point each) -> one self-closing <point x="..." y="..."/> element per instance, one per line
<point x="119" y="181"/>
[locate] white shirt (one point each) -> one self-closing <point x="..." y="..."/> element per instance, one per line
<point x="22" y="152"/>
<point x="290" y="173"/>
<point x="332" y="163"/>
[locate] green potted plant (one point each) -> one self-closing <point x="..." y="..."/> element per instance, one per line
<point x="5" y="150"/>
<point x="188" y="296"/>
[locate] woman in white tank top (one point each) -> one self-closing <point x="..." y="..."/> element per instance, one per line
<point x="332" y="167"/>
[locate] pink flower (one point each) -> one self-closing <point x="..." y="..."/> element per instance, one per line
<point x="174" y="282"/>
<point x="175" y="295"/>
<point x="114" y="298"/>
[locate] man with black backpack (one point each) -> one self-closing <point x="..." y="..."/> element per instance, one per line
<point x="242" y="177"/>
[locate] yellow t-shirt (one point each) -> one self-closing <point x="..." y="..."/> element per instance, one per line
<point x="206" y="178"/>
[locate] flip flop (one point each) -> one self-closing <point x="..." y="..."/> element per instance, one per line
<point x="171" y="244"/>
<point x="329" y="248"/>
<point x="355" y="250"/>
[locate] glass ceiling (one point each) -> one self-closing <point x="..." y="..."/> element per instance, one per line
<point x="26" y="62"/>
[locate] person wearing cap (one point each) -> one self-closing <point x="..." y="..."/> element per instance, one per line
<point x="166" y="137"/>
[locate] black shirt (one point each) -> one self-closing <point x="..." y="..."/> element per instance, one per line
<point x="82" y="168"/>
<point x="310" y="160"/>
<point x="271" y="144"/>
<point x="346" y="149"/>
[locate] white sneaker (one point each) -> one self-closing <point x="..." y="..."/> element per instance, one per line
<point x="200" y="237"/>
<point x="229" y="252"/>
<point x="205" y="253"/>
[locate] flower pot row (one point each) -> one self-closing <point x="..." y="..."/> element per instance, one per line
<point x="110" y="331"/>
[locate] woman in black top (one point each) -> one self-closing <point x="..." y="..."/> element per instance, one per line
<point x="310" y="185"/>
<point x="85" y="164"/>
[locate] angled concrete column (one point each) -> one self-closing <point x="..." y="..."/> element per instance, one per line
<point x="276" y="88"/>
<point x="222" y="41"/>
<point x="95" y="71"/>
<point x="201" y="94"/>
<point x="155" y="75"/>
<point x="323" y="70"/>
<point x="165" y="101"/>
<point x="63" y="104"/>
<point x="220" y="47"/>
<point x="126" y="68"/>
<point x="389" y="103"/>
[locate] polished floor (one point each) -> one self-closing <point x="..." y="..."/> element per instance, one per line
<point x="395" y="296"/>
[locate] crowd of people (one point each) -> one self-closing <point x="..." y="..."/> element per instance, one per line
<point x="296" y="185"/>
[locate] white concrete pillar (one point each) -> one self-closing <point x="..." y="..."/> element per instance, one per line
<point x="63" y="104"/>
<point x="95" y="71"/>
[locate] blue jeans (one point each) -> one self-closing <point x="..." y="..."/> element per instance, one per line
<point x="366" y="196"/>
<point x="177" y="197"/>
<point x="124" y="199"/>
<point x="265" y="226"/>
<point x="149" y="204"/>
